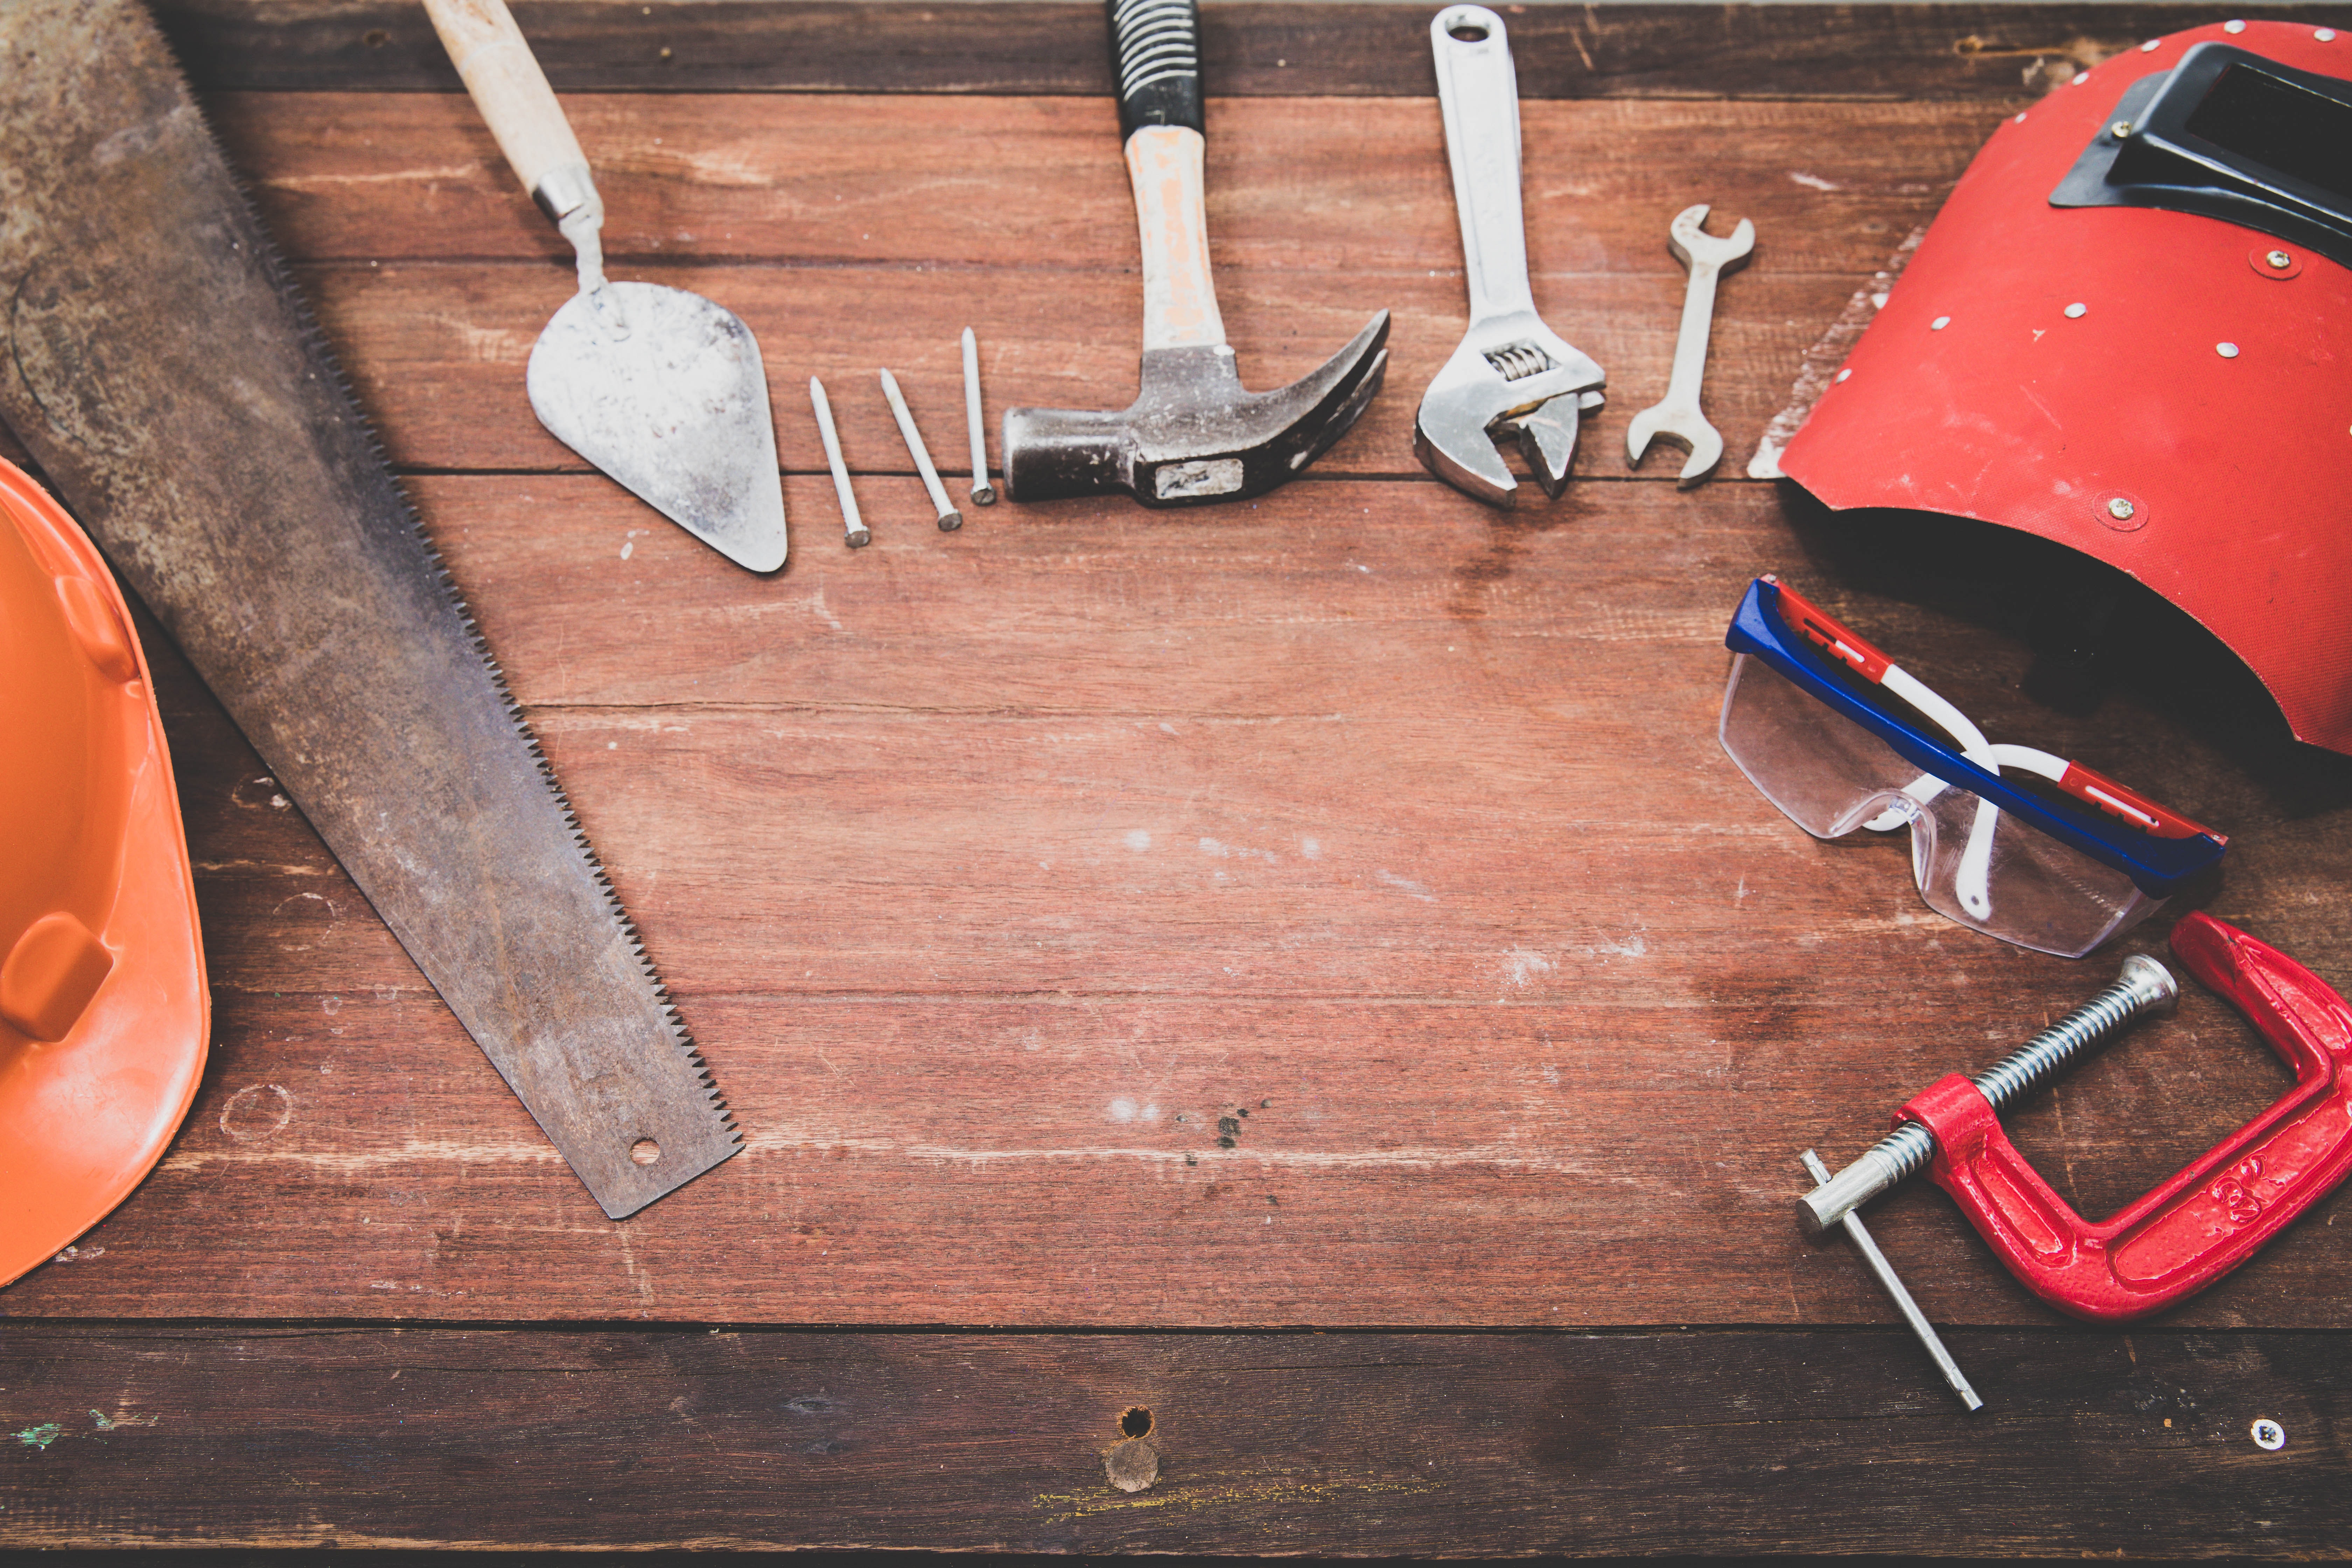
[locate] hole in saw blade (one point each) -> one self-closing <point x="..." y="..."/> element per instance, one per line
<point x="644" y="1150"/>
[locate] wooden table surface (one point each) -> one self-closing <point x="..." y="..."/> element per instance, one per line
<point x="1303" y="968"/>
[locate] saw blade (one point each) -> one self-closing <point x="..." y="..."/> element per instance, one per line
<point x="168" y="379"/>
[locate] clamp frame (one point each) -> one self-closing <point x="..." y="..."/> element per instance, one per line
<point x="2210" y="1216"/>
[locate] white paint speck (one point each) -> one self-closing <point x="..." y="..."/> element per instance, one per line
<point x="1311" y="847"/>
<point x="1521" y="962"/>
<point x="1810" y="181"/>
<point x="1122" y="1110"/>
<point x="1167" y="729"/>
<point x="1138" y="839"/>
<point x="628" y="548"/>
<point x="1406" y="885"/>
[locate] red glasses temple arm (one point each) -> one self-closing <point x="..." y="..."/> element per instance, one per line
<point x="1829" y="634"/>
<point x="2134" y="807"/>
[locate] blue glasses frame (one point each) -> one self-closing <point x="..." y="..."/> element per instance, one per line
<point x="2157" y="865"/>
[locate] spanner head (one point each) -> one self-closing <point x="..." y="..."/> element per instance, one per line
<point x="1676" y="423"/>
<point x="1694" y="246"/>
<point x="1677" y="415"/>
<point x="1512" y="375"/>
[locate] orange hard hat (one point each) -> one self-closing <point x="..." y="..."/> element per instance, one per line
<point x="103" y="1008"/>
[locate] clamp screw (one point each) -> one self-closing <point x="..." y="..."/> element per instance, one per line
<point x="2120" y="130"/>
<point x="2121" y="510"/>
<point x="2143" y="986"/>
<point x="2279" y="260"/>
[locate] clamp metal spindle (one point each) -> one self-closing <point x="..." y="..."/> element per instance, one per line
<point x="1909" y="1308"/>
<point x="2143" y="986"/>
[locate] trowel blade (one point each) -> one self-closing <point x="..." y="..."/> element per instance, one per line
<point x="675" y="407"/>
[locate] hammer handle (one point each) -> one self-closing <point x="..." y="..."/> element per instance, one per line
<point x="1156" y="50"/>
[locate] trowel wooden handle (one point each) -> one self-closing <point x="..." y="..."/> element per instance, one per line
<point x="512" y="93"/>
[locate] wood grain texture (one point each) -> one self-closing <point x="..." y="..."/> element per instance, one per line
<point x="1885" y="51"/>
<point x="1342" y="1444"/>
<point x="979" y="861"/>
<point x="995" y="870"/>
<point x="845" y="248"/>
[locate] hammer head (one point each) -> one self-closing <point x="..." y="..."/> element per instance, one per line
<point x="1193" y="435"/>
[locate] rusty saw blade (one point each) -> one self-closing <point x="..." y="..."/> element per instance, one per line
<point x="165" y="375"/>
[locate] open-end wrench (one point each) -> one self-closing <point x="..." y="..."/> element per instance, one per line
<point x="1676" y="416"/>
<point x="1512" y="374"/>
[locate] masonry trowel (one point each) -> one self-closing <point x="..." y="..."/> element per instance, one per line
<point x="660" y="389"/>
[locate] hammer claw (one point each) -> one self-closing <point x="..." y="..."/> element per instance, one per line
<point x="1193" y="435"/>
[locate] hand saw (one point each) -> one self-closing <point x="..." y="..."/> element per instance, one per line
<point x="164" y="373"/>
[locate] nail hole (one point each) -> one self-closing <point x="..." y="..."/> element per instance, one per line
<point x="644" y="1150"/>
<point x="1467" y="32"/>
<point x="1136" y="1422"/>
<point x="375" y="38"/>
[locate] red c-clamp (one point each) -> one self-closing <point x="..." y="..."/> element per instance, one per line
<point x="2211" y="1217"/>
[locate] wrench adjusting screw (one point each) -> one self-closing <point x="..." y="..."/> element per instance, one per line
<point x="2143" y="986"/>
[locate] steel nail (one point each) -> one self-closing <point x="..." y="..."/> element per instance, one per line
<point x="854" y="530"/>
<point x="983" y="492"/>
<point x="949" y="519"/>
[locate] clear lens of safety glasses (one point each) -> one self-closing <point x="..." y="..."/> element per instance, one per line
<point x="2056" y="879"/>
<point x="1828" y="773"/>
<point x="1982" y="868"/>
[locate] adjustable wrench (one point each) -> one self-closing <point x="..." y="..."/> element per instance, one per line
<point x="1512" y="374"/>
<point x="1676" y="416"/>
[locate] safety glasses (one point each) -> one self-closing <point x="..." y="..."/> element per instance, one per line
<point x="2007" y="840"/>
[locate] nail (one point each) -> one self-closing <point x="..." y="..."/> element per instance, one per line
<point x="983" y="492"/>
<point x="949" y="519"/>
<point x="854" y="529"/>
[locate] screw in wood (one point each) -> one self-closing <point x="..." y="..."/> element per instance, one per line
<point x="949" y="519"/>
<point x="2143" y="986"/>
<point x="854" y="530"/>
<point x="983" y="492"/>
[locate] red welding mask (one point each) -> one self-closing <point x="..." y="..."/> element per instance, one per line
<point x="103" y="1008"/>
<point x="2129" y="332"/>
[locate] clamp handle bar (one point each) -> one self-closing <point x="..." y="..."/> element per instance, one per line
<point x="2210" y="1216"/>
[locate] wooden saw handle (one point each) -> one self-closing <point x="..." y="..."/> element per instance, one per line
<point x="511" y="91"/>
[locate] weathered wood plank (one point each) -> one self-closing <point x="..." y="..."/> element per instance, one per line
<point x="1344" y="186"/>
<point x="977" y="860"/>
<point x="1985" y="52"/>
<point x="435" y="276"/>
<point x="1441" y="1446"/>
<point x="437" y="353"/>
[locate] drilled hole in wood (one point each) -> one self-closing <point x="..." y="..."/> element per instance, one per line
<point x="375" y="38"/>
<point x="644" y="1150"/>
<point x="1136" y="1422"/>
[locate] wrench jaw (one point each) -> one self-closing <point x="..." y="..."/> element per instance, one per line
<point x="1691" y="432"/>
<point x="1510" y="377"/>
